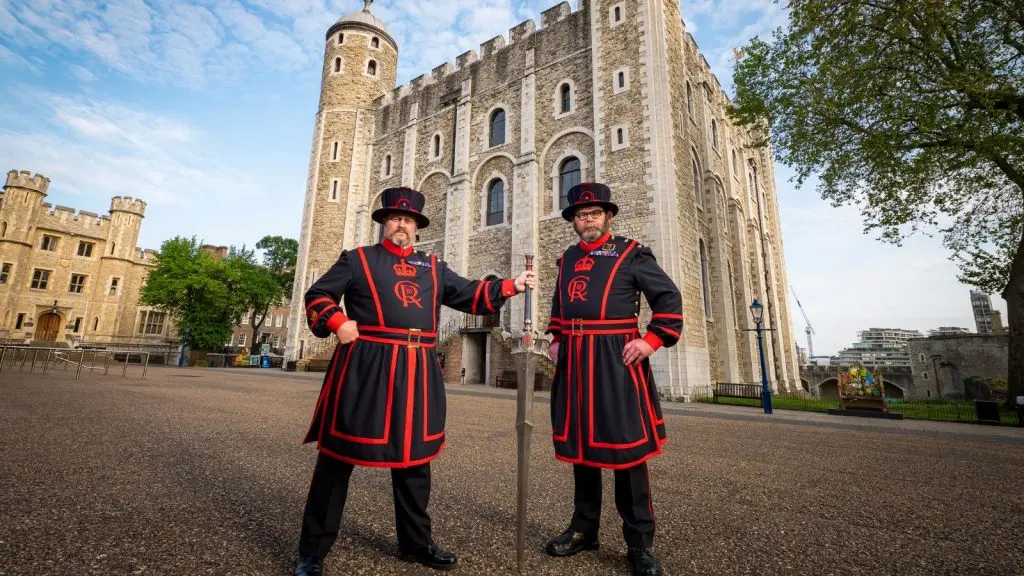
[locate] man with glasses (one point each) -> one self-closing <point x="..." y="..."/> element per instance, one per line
<point x="382" y="403"/>
<point x="605" y="411"/>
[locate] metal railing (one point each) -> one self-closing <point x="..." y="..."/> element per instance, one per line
<point x="44" y="358"/>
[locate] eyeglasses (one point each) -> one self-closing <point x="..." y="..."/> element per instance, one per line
<point x="400" y="219"/>
<point x="592" y="215"/>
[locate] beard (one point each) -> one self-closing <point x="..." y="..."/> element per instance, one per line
<point x="591" y="231"/>
<point x="400" y="237"/>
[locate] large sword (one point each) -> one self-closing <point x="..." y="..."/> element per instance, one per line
<point x="525" y="359"/>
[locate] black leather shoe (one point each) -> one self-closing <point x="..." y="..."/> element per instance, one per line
<point x="643" y="562"/>
<point x="432" y="557"/>
<point x="310" y="566"/>
<point x="570" y="543"/>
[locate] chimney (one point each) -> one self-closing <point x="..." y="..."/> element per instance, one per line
<point x="997" y="322"/>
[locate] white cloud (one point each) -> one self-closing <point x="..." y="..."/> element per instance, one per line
<point x="97" y="149"/>
<point x="83" y="74"/>
<point x="8" y="57"/>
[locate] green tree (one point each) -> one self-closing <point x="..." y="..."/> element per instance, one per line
<point x="194" y="290"/>
<point x="256" y="288"/>
<point x="912" y="111"/>
<point x="279" y="256"/>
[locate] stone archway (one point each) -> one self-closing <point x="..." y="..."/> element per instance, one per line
<point x="47" y="327"/>
<point x="829" y="388"/>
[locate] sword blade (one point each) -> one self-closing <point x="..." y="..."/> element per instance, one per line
<point x="526" y="367"/>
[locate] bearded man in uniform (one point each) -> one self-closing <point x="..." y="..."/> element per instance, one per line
<point x="383" y="401"/>
<point x="605" y="412"/>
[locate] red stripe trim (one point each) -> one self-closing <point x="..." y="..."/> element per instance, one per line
<point x="433" y="274"/>
<point x="579" y="401"/>
<point x="394" y="342"/>
<point x="387" y="415"/>
<point x="593" y="464"/>
<point x="487" y="296"/>
<point x="476" y="297"/>
<point x="650" y="407"/>
<point x="600" y="332"/>
<point x="373" y="464"/>
<point x="335" y="321"/>
<point x="319" y="300"/>
<point x="324" y="392"/>
<point x="611" y="277"/>
<point x="588" y="322"/>
<point x="409" y="402"/>
<point x="568" y="398"/>
<point x="402" y="331"/>
<point x="373" y="289"/>
<point x="427" y="437"/>
<point x="337" y="388"/>
<point x="668" y="316"/>
<point x="636" y="388"/>
<point x="669" y="330"/>
<point x="555" y="320"/>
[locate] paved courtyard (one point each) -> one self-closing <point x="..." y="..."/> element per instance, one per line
<point x="202" y="472"/>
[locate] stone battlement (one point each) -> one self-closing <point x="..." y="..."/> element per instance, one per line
<point x="127" y="204"/>
<point x="487" y="51"/>
<point x="25" y="179"/>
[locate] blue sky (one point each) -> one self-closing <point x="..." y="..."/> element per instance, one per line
<point x="204" y="108"/>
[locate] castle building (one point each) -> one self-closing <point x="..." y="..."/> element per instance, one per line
<point x="616" y="91"/>
<point x="67" y="277"/>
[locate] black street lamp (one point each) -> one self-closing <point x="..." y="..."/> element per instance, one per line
<point x="757" y="312"/>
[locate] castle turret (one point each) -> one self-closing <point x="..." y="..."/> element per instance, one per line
<point x="23" y="198"/>
<point x="360" y="66"/>
<point x="126" y="216"/>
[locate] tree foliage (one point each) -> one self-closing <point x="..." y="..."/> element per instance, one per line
<point x="911" y="111"/>
<point x="258" y="289"/>
<point x="279" y="256"/>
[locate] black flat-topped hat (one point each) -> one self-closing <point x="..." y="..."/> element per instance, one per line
<point x="587" y="194"/>
<point x="403" y="200"/>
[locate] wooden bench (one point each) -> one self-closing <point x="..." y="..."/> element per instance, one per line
<point x="727" y="390"/>
<point x="507" y="379"/>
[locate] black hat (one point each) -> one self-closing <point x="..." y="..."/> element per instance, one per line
<point x="405" y="200"/>
<point x="589" y="194"/>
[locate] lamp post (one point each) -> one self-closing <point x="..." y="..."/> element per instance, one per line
<point x="757" y="312"/>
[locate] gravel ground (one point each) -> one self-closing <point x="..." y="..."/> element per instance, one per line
<point x="202" y="472"/>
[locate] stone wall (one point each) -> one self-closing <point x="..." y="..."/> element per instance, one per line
<point x="957" y="358"/>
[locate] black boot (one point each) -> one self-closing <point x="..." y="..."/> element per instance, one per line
<point x="643" y="562"/>
<point x="570" y="543"/>
<point x="310" y="566"/>
<point x="431" y="557"/>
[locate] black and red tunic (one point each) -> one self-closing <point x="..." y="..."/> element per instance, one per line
<point x="383" y="401"/>
<point x="604" y="413"/>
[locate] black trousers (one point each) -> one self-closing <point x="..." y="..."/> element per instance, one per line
<point x="632" y="498"/>
<point x="325" y="503"/>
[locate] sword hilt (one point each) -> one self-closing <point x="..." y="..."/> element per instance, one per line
<point x="528" y="308"/>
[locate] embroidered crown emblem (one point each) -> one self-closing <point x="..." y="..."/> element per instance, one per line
<point x="584" y="264"/>
<point x="403" y="269"/>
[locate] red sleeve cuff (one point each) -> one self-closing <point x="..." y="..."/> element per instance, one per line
<point x="336" y="320"/>
<point x="508" y="288"/>
<point x="653" y="339"/>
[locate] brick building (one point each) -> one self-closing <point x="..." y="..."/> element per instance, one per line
<point x="67" y="277"/>
<point x="616" y="91"/>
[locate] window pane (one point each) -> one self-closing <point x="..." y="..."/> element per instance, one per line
<point x="569" y="177"/>
<point x="496" y="203"/>
<point x="566" y="97"/>
<point x="498" y="128"/>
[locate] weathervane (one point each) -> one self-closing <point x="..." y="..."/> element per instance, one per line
<point x="366" y="5"/>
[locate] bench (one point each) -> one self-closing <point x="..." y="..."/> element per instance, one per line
<point x="507" y="379"/>
<point x="727" y="390"/>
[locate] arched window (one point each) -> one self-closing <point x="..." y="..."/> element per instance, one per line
<point x="566" y="98"/>
<point x="497" y="134"/>
<point x="374" y="42"/>
<point x="622" y="79"/>
<point x="95" y="323"/>
<point x="387" y="165"/>
<point x="113" y="246"/>
<point x="337" y="65"/>
<point x="3" y="229"/>
<point x="341" y="38"/>
<point x="735" y="165"/>
<point x="496" y="202"/>
<point x="705" y="282"/>
<point x="618" y="135"/>
<point x="437" y="145"/>
<point x="697" y="195"/>
<point x="371" y="68"/>
<point x="689" y="99"/>
<point x="569" y="176"/>
<point x="714" y="134"/>
<point x="334" y="154"/>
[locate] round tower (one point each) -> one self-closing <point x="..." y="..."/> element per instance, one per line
<point x="22" y="200"/>
<point x="126" y="216"/>
<point x="360" y="65"/>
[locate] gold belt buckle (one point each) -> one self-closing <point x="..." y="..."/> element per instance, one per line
<point x="417" y="333"/>
<point x="577" y="327"/>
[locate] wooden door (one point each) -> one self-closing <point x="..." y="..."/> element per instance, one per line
<point x="49" y="325"/>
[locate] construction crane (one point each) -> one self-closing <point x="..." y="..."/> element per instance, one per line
<point x="809" y="329"/>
